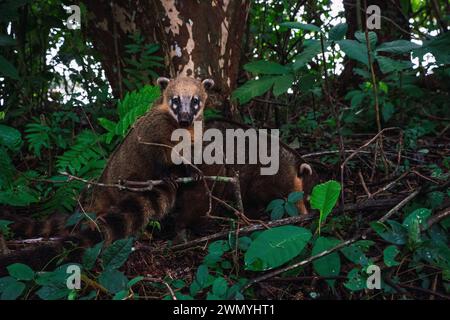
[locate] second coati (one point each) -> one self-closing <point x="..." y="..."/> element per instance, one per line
<point x="145" y="155"/>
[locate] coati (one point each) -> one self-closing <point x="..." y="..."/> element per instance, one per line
<point x="122" y="213"/>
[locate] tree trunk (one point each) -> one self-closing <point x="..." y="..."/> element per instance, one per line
<point x="198" y="38"/>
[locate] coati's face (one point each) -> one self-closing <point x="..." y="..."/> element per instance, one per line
<point x="185" y="98"/>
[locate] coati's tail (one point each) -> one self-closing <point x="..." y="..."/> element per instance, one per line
<point x="128" y="219"/>
<point x="25" y="227"/>
<point x="304" y="183"/>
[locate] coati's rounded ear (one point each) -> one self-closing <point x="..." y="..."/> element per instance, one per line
<point x="208" y="83"/>
<point x="163" y="82"/>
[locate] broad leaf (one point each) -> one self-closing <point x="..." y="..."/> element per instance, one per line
<point x="117" y="253"/>
<point x="282" y="84"/>
<point x="355" y="50"/>
<point x="302" y="26"/>
<point x="275" y="247"/>
<point x="324" y="197"/>
<point x="398" y="46"/>
<point x="330" y="265"/>
<point x="338" y="32"/>
<point x="266" y="67"/>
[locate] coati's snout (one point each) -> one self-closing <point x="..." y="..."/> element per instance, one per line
<point x="185" y="109"/>
<point x="185" y="97"/>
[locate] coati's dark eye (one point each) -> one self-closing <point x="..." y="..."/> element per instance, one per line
<point x="175" y="101"/>
<point x="195" y="100"/>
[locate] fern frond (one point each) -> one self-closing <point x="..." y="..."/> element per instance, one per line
<point x="134" y="105"/>
<point x="38" y="136"/>
<point x="84" y="158"/>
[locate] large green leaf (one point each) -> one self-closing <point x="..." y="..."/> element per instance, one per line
<point x="398" y="46"/>
<point x="275" y="247"/>
<point x="394" y="233"/>
<point x="310" y="51"/>
<point x="20" y="271"/>
<point x="338" y="32"/>
<point x="253" y="88"/>
<point x="301" y="26"/>
<point x="113" y="280"/>
<point x="266" y="67"/>
<point x="282" y="84"/>
<point x="389" y="65"/>
<point x="7" y="69"/>
<point x="330" y="265"/>
<point x="355" y="50"/>
<point x="324" y="197"/>
<point x="117" y="253"/>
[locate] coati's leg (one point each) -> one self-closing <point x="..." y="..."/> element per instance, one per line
<point x="128" y="218"/>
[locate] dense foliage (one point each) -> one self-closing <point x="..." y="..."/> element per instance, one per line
<point x="58" y="118"/>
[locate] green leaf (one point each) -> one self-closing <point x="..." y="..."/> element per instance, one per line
<point x="113" y="280"/>
<point x="361" y="37"/>
<point x="253" y="88"/>
<point x="244" y="243"/>
<point x="277" y="213"/>
<point x="291" y="209"/>
<point x="310" y="52"/>
<point x="12" y="289"/>
<point x="338" y="32"/>
<point x="282" y="84"/>
<point x="329" y="265"/>
<point x="394" y="233"/>
<point x="218" y="247"/>
<point x="302" y="26"/>
<point x="355" y="254"/>
<point x="274" y="203"/>
<point x="117" y="253"/>
<point x="202" y="276"/>
<point x="219" y="287"/>
<point x="7" y="69"/>
<point x="355" y="50"/>
<point x="266" y="67"/>
<point x="390" y="65"/>
<point x="389" y="255"/>
<point x="324" y="197"/>
<point x="10" y="137"/>
<point x="121" y="295"/>
<point x="355" y="281"/>
<point x="275" y="247"/>
<point x="20" y="271"/>
<point x="52" y="293"/>
<point x="398" y="46"/>
<point x="419" y="215"/>
<point x="91" y="255"/>
<point x="296" y="196"/>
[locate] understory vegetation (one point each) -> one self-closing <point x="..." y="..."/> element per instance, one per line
<point x="370" y="111"/>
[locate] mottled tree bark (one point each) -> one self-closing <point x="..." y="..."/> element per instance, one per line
<point x="198" y="38"/>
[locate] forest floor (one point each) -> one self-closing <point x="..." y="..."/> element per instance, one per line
<point x="375" y="182"/>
